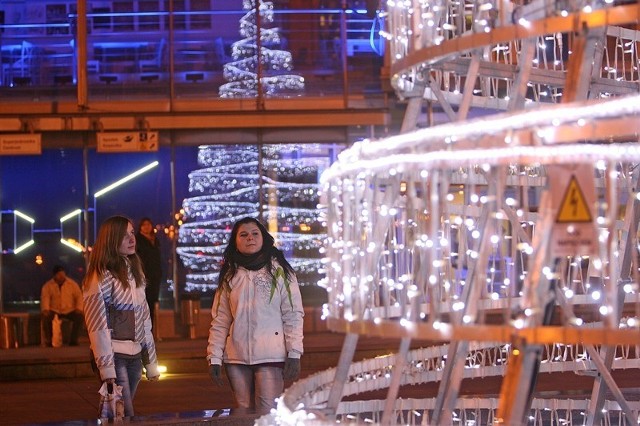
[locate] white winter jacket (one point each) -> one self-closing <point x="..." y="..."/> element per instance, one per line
<point x="98" y="295"/>
<point x="251" y="325"/>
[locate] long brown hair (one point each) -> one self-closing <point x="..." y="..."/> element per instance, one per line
<point x="105" y="256"/>
<point x="267" y="252"/>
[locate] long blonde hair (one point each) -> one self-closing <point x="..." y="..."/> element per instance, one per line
<point x="105" y="256"/>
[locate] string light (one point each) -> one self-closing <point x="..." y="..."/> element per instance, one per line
<point x="443" y="21"/>
<point x="228" y="187"/>
<point x="500" y="164"/>
<point x="396" y="224"/>
<point x="242" y="73"/>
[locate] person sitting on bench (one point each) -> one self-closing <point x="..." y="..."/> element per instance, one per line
<point x="62" y="296"/>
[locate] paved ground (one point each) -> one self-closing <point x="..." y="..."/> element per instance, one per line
<point x="55" y="385"/>
<point x="64" y="400"/>
<point x="185" y="393"/>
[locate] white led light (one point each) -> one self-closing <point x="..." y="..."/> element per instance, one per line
<point x="24" y="246"/>
<point x="125" y="179"/>
<point x="72" y="245"/>
<point x="70" y="215"/>
<point x="24" y="216"/>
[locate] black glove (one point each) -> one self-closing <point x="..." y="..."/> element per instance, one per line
<point x="291" y="369"/>
<point x="215" y="372"/>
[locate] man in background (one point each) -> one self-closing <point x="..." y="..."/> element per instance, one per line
<point x="62" y="296"/>
<point x="148" y="248"/>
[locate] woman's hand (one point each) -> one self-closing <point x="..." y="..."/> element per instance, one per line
<point x="215" y="372"/>
<point x="154" y="378"/>
<point x="291" y="369"/>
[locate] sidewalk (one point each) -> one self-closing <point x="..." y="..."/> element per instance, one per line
<point x="37" y="362"/>
<point x="55" y="386"/>
<point x="43" y="385"/>
<point x="180" y="356"/>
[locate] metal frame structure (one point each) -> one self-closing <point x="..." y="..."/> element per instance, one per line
<point x="435" y="230"/>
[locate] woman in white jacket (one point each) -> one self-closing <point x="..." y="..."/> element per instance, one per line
<point x="257" y="314"/>
<point x="116" y="310"/>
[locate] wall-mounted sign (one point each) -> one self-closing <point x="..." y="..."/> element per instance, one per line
<point x="127" y="141"/>
<point x="21" y="144"/>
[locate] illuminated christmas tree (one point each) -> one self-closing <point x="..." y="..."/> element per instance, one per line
<point x="273" y="64"/>
<point x="224" y="190"/>
<point x="278" y="185"/>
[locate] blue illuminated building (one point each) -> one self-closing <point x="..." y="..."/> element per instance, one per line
<point x="73" y="72"/>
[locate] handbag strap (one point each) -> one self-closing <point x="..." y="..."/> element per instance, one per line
<point x="111" y="296"/>
<point x="111" y="305"/>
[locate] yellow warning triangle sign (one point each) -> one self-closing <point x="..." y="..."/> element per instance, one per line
<point x="574" y="207"/>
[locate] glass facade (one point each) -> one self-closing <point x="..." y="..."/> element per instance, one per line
<point x="50" y="189"/>
<point x="177" y="50"/>
<point x="214" y="186"/>
<point x="180" y="48"/>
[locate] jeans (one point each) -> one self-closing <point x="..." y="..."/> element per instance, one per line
<point x="128" y="375"/>
<point x="255" y="386"/>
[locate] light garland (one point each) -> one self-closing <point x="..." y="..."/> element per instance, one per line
<point x="241" y="74"/>
<point x="306" y="400"/>
<point x="441" y="21"/>
<point x="502" y="130"/>
<point x="418" y="221"/>
<point x="227" y="189"/>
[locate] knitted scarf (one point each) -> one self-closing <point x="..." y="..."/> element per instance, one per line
<point x="253" y="262"/>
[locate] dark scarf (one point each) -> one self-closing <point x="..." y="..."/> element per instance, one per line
<point x="253" y="262"/>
